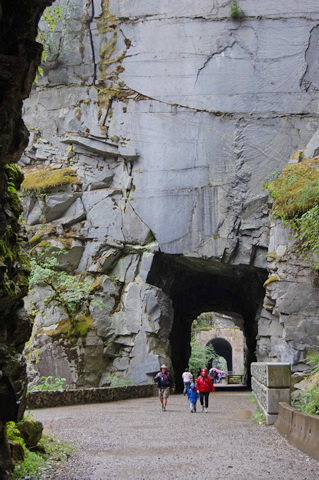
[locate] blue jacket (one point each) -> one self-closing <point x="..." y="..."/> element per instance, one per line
<point x="192" y="395"/>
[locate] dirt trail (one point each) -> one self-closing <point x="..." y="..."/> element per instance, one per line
<point x="135" y="440"/>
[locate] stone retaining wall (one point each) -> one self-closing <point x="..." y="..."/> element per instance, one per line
<point x="300" y="429"/>
<point x="270" y="385"/>
<point x="46" y="399"/>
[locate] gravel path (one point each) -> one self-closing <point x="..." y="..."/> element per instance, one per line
<point x="135" y="440"/>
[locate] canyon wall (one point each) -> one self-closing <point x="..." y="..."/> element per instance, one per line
<point x="19" y="58"/>
<point x="163" y="120"/>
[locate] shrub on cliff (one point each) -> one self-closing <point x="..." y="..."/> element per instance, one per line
<point x="296" y="203"/>
<point x="71" y="292"/>
<point x="235" y="11"/>
<point x="50" y="383"/>
<point x="306" y="399"/>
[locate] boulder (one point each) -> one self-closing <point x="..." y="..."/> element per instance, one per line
<point x="31" y="431"/>
<point x="74" y="214"/>
<point x="134" y="229"/>
<point x="106" y="261"/>
<point x="16" y="450"/>
<point x="36" y="213"/>
<point x="312" y="148"/>
<point x="56" y="205"/>
<point x="126" y="268"/>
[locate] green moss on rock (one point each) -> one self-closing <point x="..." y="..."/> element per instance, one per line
<point x="44" y="231"/>
<point x="296" y="190"/>
<point x="14" y="180"/>
<point x="70" y="330"/>
<point x="14" y="174"/>
<point x="31" y="431"/>
<point x="81" y="326"/>
<point x="42" y="179"/>
<point x="296" y="203"/>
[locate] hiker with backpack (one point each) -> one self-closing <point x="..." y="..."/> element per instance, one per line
<point x="165" y="383"/>
<point x="204" y="386"/>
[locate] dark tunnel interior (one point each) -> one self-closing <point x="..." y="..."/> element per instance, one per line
<point x="223" y="349"/>
<point x="197" y="285"/>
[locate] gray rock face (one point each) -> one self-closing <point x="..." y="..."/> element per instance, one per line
<point x="173" y="117"/>
<point x="19" y="57"/>
<point x="288" y="326"/>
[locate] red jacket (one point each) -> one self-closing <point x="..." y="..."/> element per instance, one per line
<point x="204" y="384"/>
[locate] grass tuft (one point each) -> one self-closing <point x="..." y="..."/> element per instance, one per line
<point x="42" y="179"/>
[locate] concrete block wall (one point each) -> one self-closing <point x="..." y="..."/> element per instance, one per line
<point x="271" y="385"/>
<point x="300" y="429"/>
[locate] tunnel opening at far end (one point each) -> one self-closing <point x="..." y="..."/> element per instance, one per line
<point x="197" y="285"/>
<point x="223" y="349"/>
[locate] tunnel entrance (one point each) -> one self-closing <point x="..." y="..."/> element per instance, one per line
<point x="223" y="349"/>
<point x="197" y="285"/>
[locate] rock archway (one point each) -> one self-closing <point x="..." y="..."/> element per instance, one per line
<point x="197" y="285"/>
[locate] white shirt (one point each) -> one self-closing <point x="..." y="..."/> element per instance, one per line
<point x="187" y="377"/>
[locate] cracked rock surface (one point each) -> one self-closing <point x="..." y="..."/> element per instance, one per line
<point x="172" y="116"/>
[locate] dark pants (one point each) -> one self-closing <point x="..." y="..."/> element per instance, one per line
<point x="203" y="398"/>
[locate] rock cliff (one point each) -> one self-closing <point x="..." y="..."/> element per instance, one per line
<point x="19" y="57"/>
<point x="163" y="121"/>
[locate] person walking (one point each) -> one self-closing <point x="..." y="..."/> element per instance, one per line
<point x="204" y="386"/>
<point x="213" y="374"/>
<point x="165" y="382"/>
<point x="187" y="378"/>
<point x="192" y="396"/>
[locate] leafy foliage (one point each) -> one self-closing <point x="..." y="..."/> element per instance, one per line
<point x="30" y="467"/>
<point x="15" y="177"/>
<point x="307" y="229"/>
<point x="114" y="381"/>
<point x="51" y="16"/>
<point x="296" y="190"/>
<point x="57" y="17"/>
<point x="252" y="398"/>
<point x="202" y="322"/>
<point x="48" y="453"/>
<point x="258" y="416"/>
<point x="313" y="360"/>
<point x="235" y="10"/>
<point x="71" y="292"/>
<point x="200" y="355"/>
<point x="308" y="400"/>
<point x="50" y="383"/>
<point x="296" y="203"/>
<point x="68" y="291"/>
